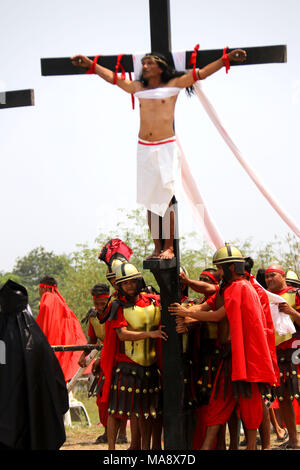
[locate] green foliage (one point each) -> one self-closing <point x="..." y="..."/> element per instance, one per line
<point x="78" y="271"/>
<point x="84" y="272"/>
<point x="4" y="277"/>
<point x="30" y="269"/>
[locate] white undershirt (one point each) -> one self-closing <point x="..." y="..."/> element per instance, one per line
<point x="157" y="93"/>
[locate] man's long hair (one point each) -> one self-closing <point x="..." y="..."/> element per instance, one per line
<point x="169" y="72"/>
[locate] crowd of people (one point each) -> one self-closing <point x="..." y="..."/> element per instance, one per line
<point x="239" y="339"/>
<point x="237" y="368"/>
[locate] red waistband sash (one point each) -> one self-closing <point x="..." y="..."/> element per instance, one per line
<point x="225" y="59"/>
<point x="157" y="143"/>
<point x="193" y="62"/>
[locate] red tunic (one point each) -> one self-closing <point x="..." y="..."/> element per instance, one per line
<point x="61" y="327"/>
<point x="269" y="327"/>
<point x="251" y="358"/>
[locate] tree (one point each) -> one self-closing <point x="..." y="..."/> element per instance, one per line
<point x="77" y="272"/>
<point x="32" y="268"/>
<point x="4" y="277"/>
<point x="85" y="272"/>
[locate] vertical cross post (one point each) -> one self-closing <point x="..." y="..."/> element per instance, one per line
<point x="166" y="273"/>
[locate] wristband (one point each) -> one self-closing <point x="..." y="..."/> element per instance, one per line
<point x="193" y="61"/>
<point x="118" y="65"/>
<point x="225" y="59"/>
<point x="93" y="66"/>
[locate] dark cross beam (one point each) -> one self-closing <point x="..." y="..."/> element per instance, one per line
<point x="255" y="56"/>
<point x="176" y="420"/>
<point x="15" y="99"/>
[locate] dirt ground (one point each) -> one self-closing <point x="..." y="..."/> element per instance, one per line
<point x="82" y="437"/>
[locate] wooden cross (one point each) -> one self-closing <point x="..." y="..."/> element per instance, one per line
<point x="15" y="99"/>
<point x="177" y="422"/>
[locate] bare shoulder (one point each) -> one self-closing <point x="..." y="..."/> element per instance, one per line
<point x="183" y="81"/>
<point x="138" y="85"/>
<point x="129" y="86"/>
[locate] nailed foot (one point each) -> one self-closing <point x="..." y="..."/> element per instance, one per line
<point x="167" y="254"/>
<point x="154" y="255"/>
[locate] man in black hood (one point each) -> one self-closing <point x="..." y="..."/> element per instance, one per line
<point x="33" y="394"/>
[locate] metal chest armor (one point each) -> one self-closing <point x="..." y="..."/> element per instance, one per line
<point x="290" y="297"/>
<point x="143" y="351"/>
<point x="99" y="328"/>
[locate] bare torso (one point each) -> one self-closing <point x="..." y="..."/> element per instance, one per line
<point x="157" y="118"/>
<point x="156" y="115"/>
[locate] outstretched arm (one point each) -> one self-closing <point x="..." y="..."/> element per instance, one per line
<point x="198" y="286"/>
<point x="106" y="74"/>
<point x="198" y="312"/>
<point x="186" y="80"/>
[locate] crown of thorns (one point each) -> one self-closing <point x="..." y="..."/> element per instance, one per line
<point x="156" y="58"/>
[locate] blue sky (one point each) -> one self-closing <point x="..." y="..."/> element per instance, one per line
<point x="68" y="163"/>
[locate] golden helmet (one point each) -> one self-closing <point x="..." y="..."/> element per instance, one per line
<point x="291" y="276"/>
<point x="111" y="272"/>
<point x="228" y="254"/>
<point x="126" y="271"/>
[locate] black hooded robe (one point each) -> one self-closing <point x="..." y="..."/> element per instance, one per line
<point x="33" y="394"/>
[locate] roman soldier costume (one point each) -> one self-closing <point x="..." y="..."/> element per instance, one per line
<point x="286" y="346"/>
<point x="132" y="379"/>
<point x="246" y="371"/>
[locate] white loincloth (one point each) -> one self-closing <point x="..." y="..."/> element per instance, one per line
<point x="158" y="173"/>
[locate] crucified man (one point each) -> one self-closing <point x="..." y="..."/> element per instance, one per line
<point x="158" y="162"/>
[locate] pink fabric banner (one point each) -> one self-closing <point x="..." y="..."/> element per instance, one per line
<point x="197" y="205"/>
<point x="215" y="119"/>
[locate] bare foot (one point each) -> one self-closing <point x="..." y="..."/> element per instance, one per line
<point x="282" y="434"/>
<point x="167" y="254"/>
<point x="154" y="255"/>
<point x="289" y="445"/>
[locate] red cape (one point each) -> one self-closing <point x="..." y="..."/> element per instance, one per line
<point x="251" y="358"/>
<point x="269" y="327"/>
<point x="61" y="327"/>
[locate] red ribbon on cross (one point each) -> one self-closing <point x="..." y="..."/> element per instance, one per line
<point x="132" y="95"/>
<point x="93" y="66"/>
<point x="119" y="65"/>
<point x="225" y="59"/>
